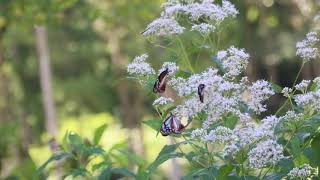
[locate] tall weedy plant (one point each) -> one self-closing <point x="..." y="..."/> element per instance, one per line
<point x="214" y="113"/>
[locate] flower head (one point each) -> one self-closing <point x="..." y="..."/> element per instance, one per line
<point x="306" y="48"/>
<point x="162" y="101"/>
<point x="260" y="91"/>
<point x="139" y="67"/>
<point x="163" y="26"/>
<point x="234" y="61"/>
<point x="203" y="28"/>
<point x="171" y="66"/>
<point x="303" y="172"/>
<point x="267" y="152"/>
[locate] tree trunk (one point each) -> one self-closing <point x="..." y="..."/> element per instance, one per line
<point x="130" y="100"/>
<point x="45" y="79"/>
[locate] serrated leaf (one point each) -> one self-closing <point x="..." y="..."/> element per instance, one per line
<point x="166" y="153"/>
<point x="277" y="88"/>
<point x="153" y="123"/>
<point x="224" y="171"/>
<point x="54" y="157"/>
<point x="122" y="171"/>
<point x="78" y="172"/>
<point x="98" y="134"/>
<point x="275" y="176"/>
<point x="91" y="151"/>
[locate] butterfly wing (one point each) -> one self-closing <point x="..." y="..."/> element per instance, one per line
<point x="160" y="84"/>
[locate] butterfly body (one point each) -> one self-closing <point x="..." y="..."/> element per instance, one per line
<point x="201" y="92"/>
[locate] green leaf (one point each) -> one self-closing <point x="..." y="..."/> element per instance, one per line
<point x="91" y="151"/>
<point x="183" y="74"/>
<point x="166" y="153"/>
<point x="231" y="121"/>
<point x="224" y="171"/>
<point x="131" y="156"/>
<point x="167" y="111"/>
<point x="55" y="157"/>
<point x="275" y="176"/>
<point x="78" y="172"/>
<point x="276" y="87"/>
<point x="286" y="165"/>
<point x="98" y="134"/>
<point x="203" y="173"/>
<point x="153" y="123"/>
<point x="123" y="171"/>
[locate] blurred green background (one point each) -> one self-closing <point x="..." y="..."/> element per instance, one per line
<point x="90" y="42"/>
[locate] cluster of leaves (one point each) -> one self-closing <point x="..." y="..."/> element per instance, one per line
<point x="84" y="158"/>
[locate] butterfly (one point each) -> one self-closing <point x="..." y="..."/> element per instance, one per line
<point x="172" y="125"/>
<point x="160" y="85"/>
<point x="201" y="92"/>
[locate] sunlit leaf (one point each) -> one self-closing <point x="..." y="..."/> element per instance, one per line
<point x="98" y="134"/>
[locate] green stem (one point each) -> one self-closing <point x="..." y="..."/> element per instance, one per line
<point x="267" y="172"/>
<point x="294" y="83"/>
<point x="186" y="58"/>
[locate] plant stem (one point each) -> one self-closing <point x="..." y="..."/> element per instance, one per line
<point x="185" y="55"/>
<point x="294" y="83"/>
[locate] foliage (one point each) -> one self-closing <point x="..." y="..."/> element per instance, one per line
<point x="235" y="141"/>
<point x="85" y="158"/>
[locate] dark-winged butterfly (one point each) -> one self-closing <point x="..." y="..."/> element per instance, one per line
<point x="160" y="84"/>
<point x="172" y="125"/>
<point x="201" y="92"/>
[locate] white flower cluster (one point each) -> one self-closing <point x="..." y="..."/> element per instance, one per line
<point x="139" y="67"/>
<point x="220" y="134"/>
<point x="291" y="116"/>
<point x="317" y="81"/>
<point x="260" y="91"/>
<point x="306" y="48"/>
<point x="206" y="9"/>
<point x="163" y="26"/>
<point x="265" y="153"/>
<point x="303" y="172"/>
<point x="171" y="66"/>
<point x="203" y="28"/>
<point x="309" y="100"/>
<point x="303" y="85"/>
<point x="286" y="92"/>
<point x="162" y="101"/>
<point x="234" y="61"/>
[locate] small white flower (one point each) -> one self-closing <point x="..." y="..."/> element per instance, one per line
<point x="234" y="61"/>
<point x="306" y="48"/>
<point x="203" y="28"/>
<point x="317" y="81"/>
<point x="286" y="92"/>
<point x="171" y="66"/>
<point x="303" y="86"/>
<point x="207" y="9"/>
<point x="198" y="133"/>
<point x="265" y="153"/>
<point x="139" y="67"/>
<point x="310" y="99"/>
<point x="220" y="134"/>
<point x="303" y="172"/>
<point x="266" y="129"/>
<point x="291" y="116"/>
<point x="162" y="101"/>
<point x="260" y="91"/>
<point x="163" y="26"/>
